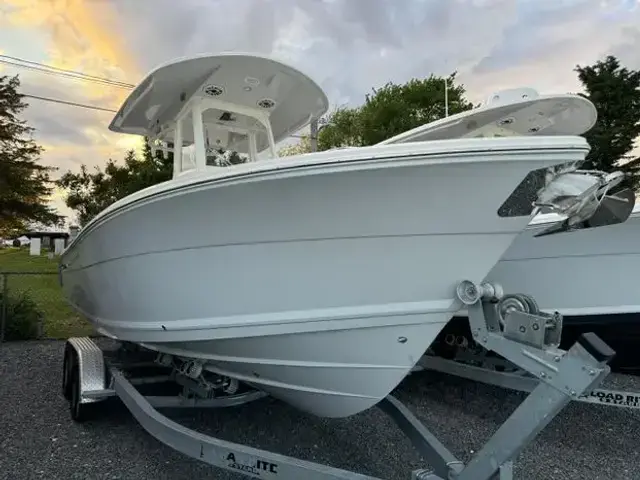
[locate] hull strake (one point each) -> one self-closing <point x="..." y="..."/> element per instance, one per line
<point x="339" y="240"/>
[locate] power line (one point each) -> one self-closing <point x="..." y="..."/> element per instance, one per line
<point x="63" y="70"/>
<point x="51" y="70"/>
<point x="71" y="104"/>
<point x="58" y="74"/>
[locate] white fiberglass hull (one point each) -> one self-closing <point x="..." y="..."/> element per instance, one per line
<point x="582" y="273"/>
<point x="320" y="279"/>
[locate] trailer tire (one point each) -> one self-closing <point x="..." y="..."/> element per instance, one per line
<point x="66" y="371"/>
<point x="80" y="412"/>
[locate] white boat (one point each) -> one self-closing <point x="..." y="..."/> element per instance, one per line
<point x="572" y="273"/>
<point x="320" y="279"/>
<point x="578" y="274"/>
<point x="588" y="276"/>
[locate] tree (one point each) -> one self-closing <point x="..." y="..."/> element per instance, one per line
<point x="303" y="146"/>
<point x="25" y="184"/>
<point x="88" y="193"/>
<point x="391" y="110"/>
<point x="615" y="92"/>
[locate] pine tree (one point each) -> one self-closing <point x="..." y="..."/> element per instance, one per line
<point x="615" y="92"/>
<point x="25" y="184"/>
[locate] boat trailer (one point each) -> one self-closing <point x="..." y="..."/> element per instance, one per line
<point x="513" y="378"/>
<point x="511" y="326"/>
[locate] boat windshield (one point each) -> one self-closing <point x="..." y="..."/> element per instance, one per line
<point x="219" y="135"/>
<point x="215" y="157"/>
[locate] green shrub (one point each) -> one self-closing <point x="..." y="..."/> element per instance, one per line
<point x="23" y="317"/>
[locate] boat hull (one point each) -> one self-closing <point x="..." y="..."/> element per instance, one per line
<point x="323" y="288"/>
<point x="582" y="273"/>
<point x="330" y="373"/>
<point x="589" y="276"/>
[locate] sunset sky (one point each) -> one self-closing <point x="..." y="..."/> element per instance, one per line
<point x="348" y="46"/>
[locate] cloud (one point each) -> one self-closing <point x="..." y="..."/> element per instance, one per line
<point x="553" y="30"/>
<point x="67" y="132"/>
<point x="628" y="48"/>
<point x="349" y="46"/>
<point x="60" y="122"/>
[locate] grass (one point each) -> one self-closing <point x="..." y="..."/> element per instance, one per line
<point x="60" y="320"/>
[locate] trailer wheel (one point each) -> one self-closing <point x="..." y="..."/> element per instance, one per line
<point x="80" y="412"/>
<point x="66" y="372"/>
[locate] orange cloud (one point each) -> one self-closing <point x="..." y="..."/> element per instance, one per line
<point x="84" y="37"/>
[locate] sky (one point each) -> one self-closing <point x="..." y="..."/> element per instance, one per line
<point x="348" y="46"/>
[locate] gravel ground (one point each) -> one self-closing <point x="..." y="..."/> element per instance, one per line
<point x="39" y="441"/>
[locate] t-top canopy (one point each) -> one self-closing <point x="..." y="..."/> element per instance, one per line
<point x="514" y="112"/>
<point x="244" y="86"/>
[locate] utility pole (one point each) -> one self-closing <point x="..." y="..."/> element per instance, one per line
<point x="446" y="97"/>
<point x="313" y="136"/>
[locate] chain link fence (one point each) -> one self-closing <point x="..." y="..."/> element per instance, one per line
<point x="32" y="306"/>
